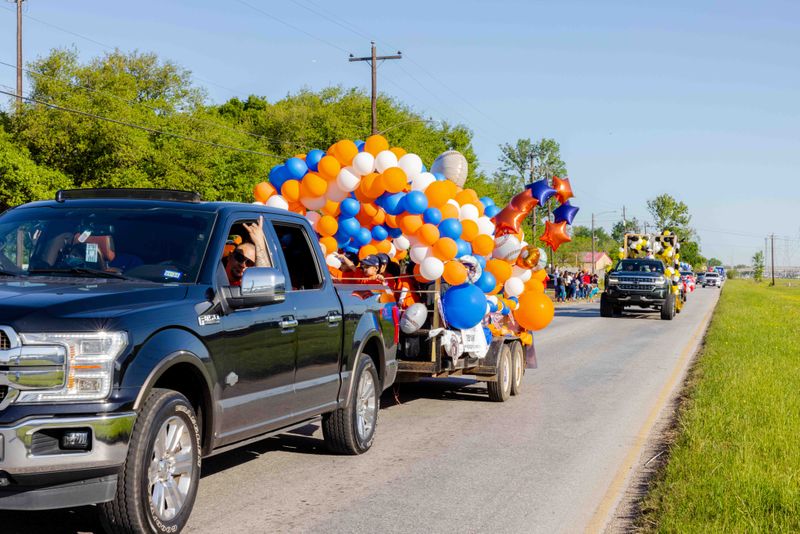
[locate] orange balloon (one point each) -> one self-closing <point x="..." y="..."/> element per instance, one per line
<point x="345" y="150"/>
<point x="400" y="255"/>
<point x="481" y="208"/>
<point x="482" y="245"/>
<point x="384" y="246"/>
<point x="296" y="207"/>
<point x="314" y="184"/>
<point x="535" y="311"/>
<point x="535" y="286"/>
<point x="397" y="151"/>
<point x="428" y="234"/>
<point x="467" y="196"/>
<point x="445" y="249"/>
<point x="500" y="269"/>
<point x="290" y="190"/>
<point x="263" y="191"/>
<point x="469" y="230"/>
<point x="375" y="144"/>
<point x="449" y="211"/>
<point x="373" y="185"/>
<point x="394" y="179"/>
<point x="454" y="273"/>
<point x="327" y="225"/>
<point x="366" y="250"/>
<point x="409" y="223"/>
<point x="540" y="275"/>
<point x="363" y="219"/>
<point x="331" y="208"/>
<point x="329" y="244"/>
<point x="438" y="193"/>
<point x="391" y="221"/>
<point x="329" y="167"/>
<point x="418" y="275"/>
<point x="379" y="217"/>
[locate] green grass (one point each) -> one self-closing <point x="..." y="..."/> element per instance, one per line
<point x="735" y="464"/>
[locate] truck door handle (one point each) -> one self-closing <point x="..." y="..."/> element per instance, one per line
<point x="334" y="317"/>
<point x="288" y="322"/>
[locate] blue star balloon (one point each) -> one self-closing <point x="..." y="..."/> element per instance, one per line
<point x="565" y="212"/>
<point x="541" y="191"/>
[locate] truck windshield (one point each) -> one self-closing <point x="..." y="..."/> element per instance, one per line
<point x="639" y="266"/>
<point x="154" y="244"/>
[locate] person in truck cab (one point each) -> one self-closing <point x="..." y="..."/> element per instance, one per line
<point x="248" y="254"/>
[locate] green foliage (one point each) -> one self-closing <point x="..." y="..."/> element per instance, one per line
<point x="690" y="253"/>
<point x="620" y="228"/>
<point x="714" y="262"/>
<point x="671" y="214"/>
<point x="758" y="266"/>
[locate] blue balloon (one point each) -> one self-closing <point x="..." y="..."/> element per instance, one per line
<point x="341" y="238"/>
<point x="506" y="310"/>
<point x="565" y="212"/>
<point x="350" y="207"/>
<point x="278" y="175"/>
<point x="450" y="228"/>
<point x="439" y="176"/>
<point x="297" y="168"/>
<point x="362" y="237"/>
<point x="464" y="306"/>
<point x="491" y="211"/>
<point x="481" y="261"/>
<point x="360" y="145"/>
<point x="351" y="248"/>
<point x="424" y="168"/>
<point x="313" y="157"/>
<point x="542" y="191"/>
<point x="487" y="201"/>
<point x="488" y="334"/>
<point x="416" y="202"/>
<point x="492" y="307"/>
<point x="393" y="204"/>
<point x="349" y="226"/>
<point x="432" y="215"/>
<point x="486" y="282"/>
<point x="379" y="233"/>
<point x="464" y="248"/>
<point x="515" y="299"/>
<point x="395" y="232"/>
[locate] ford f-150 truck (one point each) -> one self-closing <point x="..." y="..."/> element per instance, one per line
<point x="127" y="355"/>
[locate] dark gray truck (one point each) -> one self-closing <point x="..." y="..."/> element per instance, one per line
<point x="126" y="356"/>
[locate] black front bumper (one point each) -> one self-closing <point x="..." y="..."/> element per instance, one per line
<point x="52" y="496"/>
<point x="636" y="298"/>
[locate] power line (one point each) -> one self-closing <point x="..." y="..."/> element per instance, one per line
<point x="143" y="128"/>
<point x="373" y="63"/>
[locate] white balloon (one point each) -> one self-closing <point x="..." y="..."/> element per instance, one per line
<point x="485" y="225"/>
<point x="453" y="202"/>
<point x="468" y="212"/>
<point x="492" y="299"/>
<point x="333" y="261"/>
<point x="422" y="181"/>
<point x="277" y="201"/>
<point x="335" y="193"/>
<point x="413" y="240"/>
<point x="453" y="165"/>
<point x="411" y="164"/>
<point x="431" y="268"/>
<point x="364" y="163"/>
<point x="392" y="251"/>
<point x="413" y="318"/>
<point x="506" y="248"/>
<point x="419" y="253"/>
<point x="313" y="203"/>
<point x="348" y="180"/>
<point x="521" y="273"/>
<point x="313" y="217"/>
<point x="402" y="243"/>
<point x="385" y="160"/>
<point x="514" y="287"/>
<point x="257" y="203"/>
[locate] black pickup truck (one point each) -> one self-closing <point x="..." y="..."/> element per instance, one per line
<point x="638" y="282"/>
<point x="126" y="355"/>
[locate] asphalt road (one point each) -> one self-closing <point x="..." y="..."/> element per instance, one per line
<point x="554" y="459"/>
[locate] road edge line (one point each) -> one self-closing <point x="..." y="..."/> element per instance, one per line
<point x="602" y="515"/>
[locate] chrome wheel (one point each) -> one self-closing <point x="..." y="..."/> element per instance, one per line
<point x="365" y="406"/>
<point x="506" y="374"/>
<point x="172" y="469"/>
<point x="518" y="368"/>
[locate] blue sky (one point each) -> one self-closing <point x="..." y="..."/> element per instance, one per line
<point x="696" y="99"/>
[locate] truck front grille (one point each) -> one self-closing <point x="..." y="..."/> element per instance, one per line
<point x="5" y="343"/>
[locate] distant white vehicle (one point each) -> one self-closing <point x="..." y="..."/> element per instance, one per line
<point x="712" y="279"/>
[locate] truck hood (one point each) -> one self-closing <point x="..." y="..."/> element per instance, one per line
<point x="32" y="304"/>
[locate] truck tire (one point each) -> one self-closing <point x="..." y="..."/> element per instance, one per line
<point x="157" y="485"/>
<point x="668" y="307"/>
<point x="351" y="430"/>
<point x="500" y="390"/>
<point x="606" y="308"/>
<point x="517" y="367"/>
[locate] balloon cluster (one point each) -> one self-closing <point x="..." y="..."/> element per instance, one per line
<point x="664" y="247"/>
<point x="366" y="197"/>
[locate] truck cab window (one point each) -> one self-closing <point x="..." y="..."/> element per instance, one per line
<point x="301" y="260"/>
<point x="242" y="251"/>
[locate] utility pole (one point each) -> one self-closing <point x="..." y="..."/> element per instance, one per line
<point x="772" y="254"/>
<point x="19" y="54"/>
<point x="624" y="219"/>
<point x="592" y="260"/>
<point x="373" y="63"/>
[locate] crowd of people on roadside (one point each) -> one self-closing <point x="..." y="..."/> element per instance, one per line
<point x="574" y="286"/>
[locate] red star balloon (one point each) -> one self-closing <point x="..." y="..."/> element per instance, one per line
<point x="555" y="234"/>
<point x="510" y="219"/>
<point x="563" y="189"/>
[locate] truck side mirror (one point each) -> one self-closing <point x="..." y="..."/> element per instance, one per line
<point x="260" y="286"/>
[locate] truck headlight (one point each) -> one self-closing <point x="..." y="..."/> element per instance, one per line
<point x="613" y="280"/>
<point x="660" y="280"/>
<point x="89" y="366"/>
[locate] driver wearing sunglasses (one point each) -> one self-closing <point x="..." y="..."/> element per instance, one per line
<point x="248" y="254"/>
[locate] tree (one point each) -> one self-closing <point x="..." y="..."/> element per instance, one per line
<point x="690" y="253"/>
<point x="758" y="266"/>
<point x="713" y="262"/>
<point x="624" y="227"/>
<point x="21" y="179"/>
<point x="671" y="214"/>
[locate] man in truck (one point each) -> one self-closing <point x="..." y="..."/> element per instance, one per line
<point x="251" y="253"/>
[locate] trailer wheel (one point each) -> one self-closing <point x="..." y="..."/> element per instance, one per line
<point x="500" y="390"/>
<point x="351" y="430"/>
<point x="517" y="367"/>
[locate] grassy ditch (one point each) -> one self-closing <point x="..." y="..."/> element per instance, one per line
<point x="735" y="464"/>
